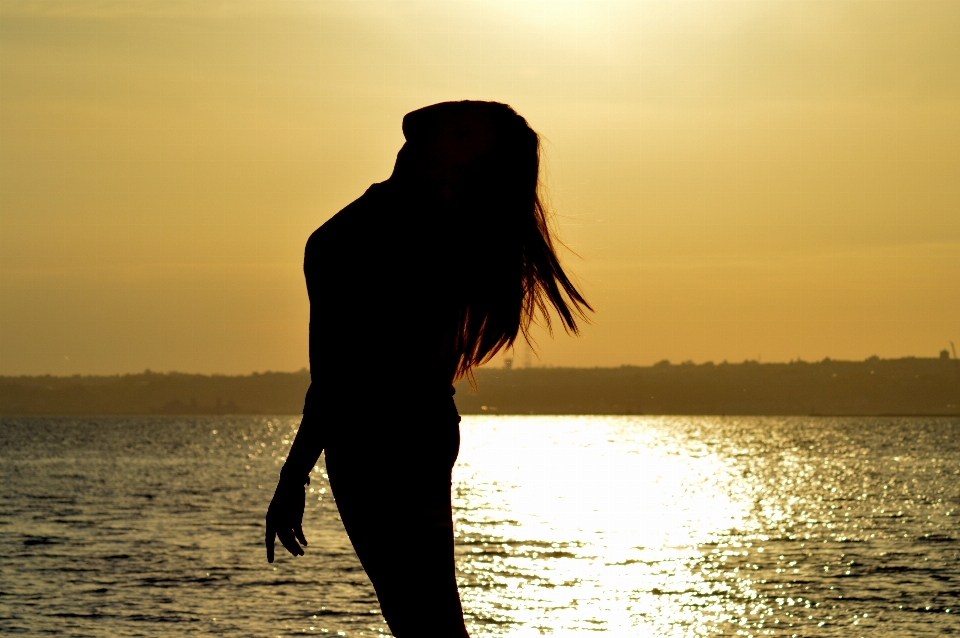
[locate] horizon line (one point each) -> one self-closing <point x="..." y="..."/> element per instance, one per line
<point x="661" y="363"/>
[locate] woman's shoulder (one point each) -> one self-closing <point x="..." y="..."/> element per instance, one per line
<point x="348" y="227"/>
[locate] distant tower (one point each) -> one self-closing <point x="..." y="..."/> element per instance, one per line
<point x="944" y="355"/>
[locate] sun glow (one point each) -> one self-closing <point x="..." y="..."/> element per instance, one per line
<point x="556" y="13"/>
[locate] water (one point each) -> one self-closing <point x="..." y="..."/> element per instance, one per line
<point x="638" y="526"/>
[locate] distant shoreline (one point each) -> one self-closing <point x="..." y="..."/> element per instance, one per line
<point x="462" y="413"/>
<point x="904" y="387"/>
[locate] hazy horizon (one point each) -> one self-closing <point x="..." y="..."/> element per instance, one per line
<point x="740" y="180"/>
<point x="501" y="363"/>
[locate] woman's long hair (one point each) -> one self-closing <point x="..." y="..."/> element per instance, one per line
<point x="484" y="160"/>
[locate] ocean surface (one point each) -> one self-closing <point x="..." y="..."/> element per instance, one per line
<point x="635" y="526"/>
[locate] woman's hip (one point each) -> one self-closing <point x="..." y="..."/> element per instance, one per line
<point x="375" y="444"/>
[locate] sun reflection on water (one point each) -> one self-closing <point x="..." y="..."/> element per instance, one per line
<point x="563" y="525"/>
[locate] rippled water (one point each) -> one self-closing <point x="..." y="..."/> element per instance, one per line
<point x="640" y="526"/>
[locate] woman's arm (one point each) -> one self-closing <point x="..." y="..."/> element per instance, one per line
<point x="332" y="284"/>
<point x="285" y="513"/>
<point x="307" y="446"/>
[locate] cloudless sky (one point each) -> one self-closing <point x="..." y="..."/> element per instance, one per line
<point x="773" y="179"/>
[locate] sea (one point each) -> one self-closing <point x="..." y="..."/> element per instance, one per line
<point x="565" y="525"/>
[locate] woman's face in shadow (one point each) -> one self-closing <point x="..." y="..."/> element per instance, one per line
<point x="443" y="141"/>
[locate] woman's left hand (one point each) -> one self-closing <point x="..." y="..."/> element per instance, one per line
<point x="285" y="518"/>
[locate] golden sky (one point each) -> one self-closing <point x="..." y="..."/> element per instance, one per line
<point x="772" y="179"/>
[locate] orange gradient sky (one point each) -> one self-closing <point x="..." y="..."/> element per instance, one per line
<point x="773" y="179"/>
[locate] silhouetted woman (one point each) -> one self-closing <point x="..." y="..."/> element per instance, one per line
<point x="426" y="276"/>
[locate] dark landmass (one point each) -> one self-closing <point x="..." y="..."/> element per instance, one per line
<point x="909" y="386"/>
<point x="154" y="393"/>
